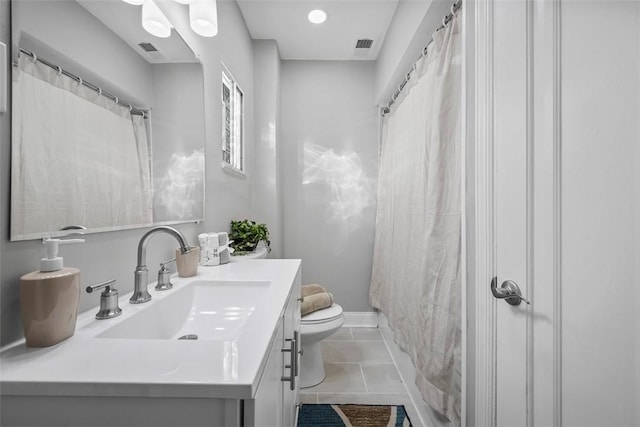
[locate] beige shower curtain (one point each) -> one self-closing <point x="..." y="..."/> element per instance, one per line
<point x="78" y="157"/>
<point x="416" y="277"/>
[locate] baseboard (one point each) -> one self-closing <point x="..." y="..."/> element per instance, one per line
<point x="360" y="319"/>
<point x="383" y="322"/>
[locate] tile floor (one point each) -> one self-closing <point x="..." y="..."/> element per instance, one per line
<point x="359" y="370"/>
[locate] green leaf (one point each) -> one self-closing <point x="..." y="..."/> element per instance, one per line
<point x="246" y="235"/>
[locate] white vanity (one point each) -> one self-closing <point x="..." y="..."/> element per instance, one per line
<point x="236" y="364"/>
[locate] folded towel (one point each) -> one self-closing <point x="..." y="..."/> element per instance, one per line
<point x="312" y="289"/>
<point x="316" y="302"/>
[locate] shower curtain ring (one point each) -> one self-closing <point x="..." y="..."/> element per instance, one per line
<point x="100" y="91"/>
<point x="444" y="21"/>
<point x="116" y="100"/>
<point x="80" y="81"/>
<point x="34" y="57"/>
<point x="59" y="70"/>
<point x="130" y="108"/>
<point x="453" y="9"/>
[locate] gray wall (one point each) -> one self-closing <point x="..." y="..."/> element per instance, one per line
<point x="113" y="254"/>
<point x="409" y="32"/>
<point x="227" y="196"/>
<point x="266" y="200"/>
<point x="329" y="171"/>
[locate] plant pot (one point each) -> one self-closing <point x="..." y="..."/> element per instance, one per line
<point x="260" y="252"/>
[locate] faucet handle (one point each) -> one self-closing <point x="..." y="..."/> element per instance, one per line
<point x="108" y="299"/>
<point x="164" y="276"/>
<point x="97" y="286"/>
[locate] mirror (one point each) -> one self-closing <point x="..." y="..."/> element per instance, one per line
<point x="107" y="121"/>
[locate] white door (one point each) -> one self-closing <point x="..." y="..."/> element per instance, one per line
<point x="557" y="170"/>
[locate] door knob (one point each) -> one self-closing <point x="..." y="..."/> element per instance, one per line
<point x="509" y="291"/>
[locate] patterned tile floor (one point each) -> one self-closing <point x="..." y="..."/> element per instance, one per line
<point x="359" y="370"/>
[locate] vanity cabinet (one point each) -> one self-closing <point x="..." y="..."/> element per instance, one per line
<point x="276" y="400"/>
<point x="249" y="378"/>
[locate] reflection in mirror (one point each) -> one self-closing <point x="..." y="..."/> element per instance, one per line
<point x="107" y="123"/>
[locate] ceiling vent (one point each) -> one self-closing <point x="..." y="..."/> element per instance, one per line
<point x="147" y="47"/>
<point x="363" y="48"/>
<point x="364" y="44"/>
<point x="151" y="53"/>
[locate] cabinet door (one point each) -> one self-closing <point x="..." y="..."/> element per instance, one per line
<point x="265" y="409"/>
<point x="276" y="399"/>
<point x="292" y="333"/>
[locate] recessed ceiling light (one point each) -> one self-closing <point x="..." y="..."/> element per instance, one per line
<point x="317" y="16"/>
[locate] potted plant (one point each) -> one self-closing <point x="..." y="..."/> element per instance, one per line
<point x="246" y="235"/>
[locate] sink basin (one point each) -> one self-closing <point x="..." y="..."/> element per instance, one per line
<point x="202" y="310"/>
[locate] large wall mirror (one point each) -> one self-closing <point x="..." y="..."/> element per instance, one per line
<point x="107" y="121"/>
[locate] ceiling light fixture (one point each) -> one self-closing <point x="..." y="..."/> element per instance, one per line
<point x="154" y="21"/>
<point x="317" y="16"/>
<point x="203" y="16"/>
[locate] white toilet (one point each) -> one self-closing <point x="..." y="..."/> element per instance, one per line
<point x="314" y="327"/>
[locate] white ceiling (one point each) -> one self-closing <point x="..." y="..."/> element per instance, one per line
<point x="347" y="21"/>
<point x="126" y="21"/>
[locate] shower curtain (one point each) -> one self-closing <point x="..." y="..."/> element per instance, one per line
<point x="416" y="276"/>
<point x="77" y="156"/>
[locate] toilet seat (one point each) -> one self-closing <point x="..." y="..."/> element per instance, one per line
<point x="322" y="316"/>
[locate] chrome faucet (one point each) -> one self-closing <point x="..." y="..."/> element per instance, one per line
<point x="140" y="293"/>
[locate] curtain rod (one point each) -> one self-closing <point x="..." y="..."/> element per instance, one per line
<point x="132" y="109"/>
<point x="445" y="20"/>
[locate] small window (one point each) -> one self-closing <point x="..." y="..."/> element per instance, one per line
<point x="232" y="123"/>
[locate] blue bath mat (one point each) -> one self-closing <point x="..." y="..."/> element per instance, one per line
<point x="352" y="416"/>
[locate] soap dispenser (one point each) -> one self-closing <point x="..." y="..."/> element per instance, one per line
<point x="49" y="298"/>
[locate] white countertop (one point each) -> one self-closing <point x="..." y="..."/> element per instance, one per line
<point x="85" y="365"/>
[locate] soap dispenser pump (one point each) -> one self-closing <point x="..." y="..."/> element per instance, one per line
<point x="49" y="298"/>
